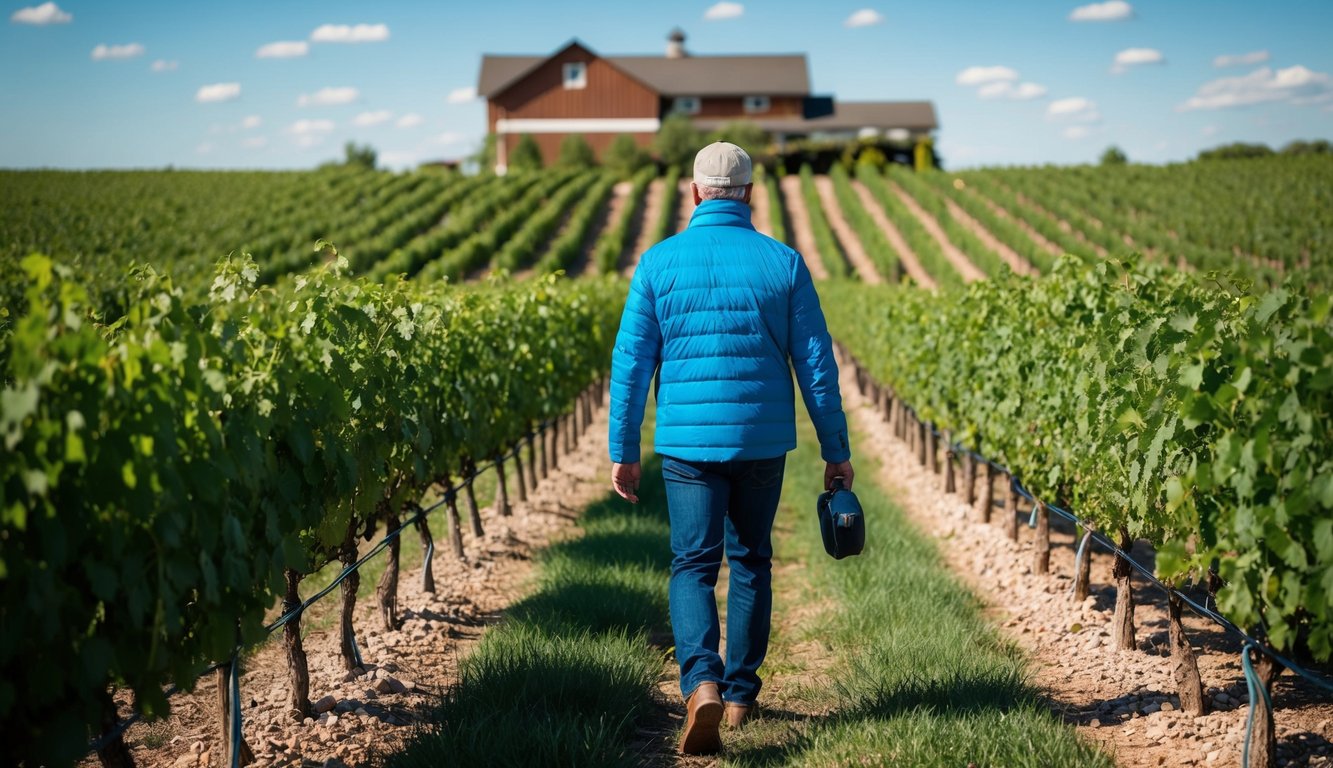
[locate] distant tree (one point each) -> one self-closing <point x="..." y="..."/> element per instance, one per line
<point x="575" y="152"/>
<point x="744" y="134"/>
<point x="1114" y="156"/>
<point x="485" y="155"/>
<point x="624" y="157"/>
<point x="872" y="155"/>
<point x="527" y="156"/>
<point x="677" y="142"/>
<point x="360" y="155"/>
<point x="1316" y="147"/>
<point x="1237" y="151"/>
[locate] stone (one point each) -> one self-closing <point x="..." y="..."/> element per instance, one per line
<point x="325" y="704"/>
<point x="205" y="758"/>
<point x="383" y="685"/>
<point x="186" y="760"/>
<point x="332" y="721"/>
<point x="396" y="686"/>
<point x="197" y="747"/>
<point x="1167" y="706"/>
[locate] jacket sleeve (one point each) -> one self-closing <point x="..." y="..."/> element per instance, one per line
<point x="634" y="360"/>
<point x="816" y="370"/>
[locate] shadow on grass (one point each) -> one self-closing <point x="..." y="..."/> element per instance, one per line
<point x="568" y="676"/>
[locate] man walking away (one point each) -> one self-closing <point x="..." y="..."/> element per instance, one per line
<point x="722" y="315"/>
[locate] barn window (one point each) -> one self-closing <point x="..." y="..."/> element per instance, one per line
<point x="576" y="75"/>
<point x="686" y="105"/>
<point x="756" y="104"/>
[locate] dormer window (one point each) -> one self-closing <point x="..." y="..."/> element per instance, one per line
<point x="686" y="105"/>
<point x="756" y="104"/>
<point x="576" y="75"/>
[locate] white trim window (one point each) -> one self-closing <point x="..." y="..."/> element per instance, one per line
<point x="755" y="105"/>
<point x="576" y="75"/>
<point x="686" y="105"/>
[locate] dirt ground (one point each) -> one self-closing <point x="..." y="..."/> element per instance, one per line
<point x="851" y="244"/>
<point x="407" y="670"/>
<point x="1124" y="701"/>
<point x="800" y="226"/>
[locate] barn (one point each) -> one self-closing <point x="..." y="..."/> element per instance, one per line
<point x="578" y="91"/>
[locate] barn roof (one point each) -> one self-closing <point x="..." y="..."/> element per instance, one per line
<point x="782" y="75"/>
<point x="849" y="116"/>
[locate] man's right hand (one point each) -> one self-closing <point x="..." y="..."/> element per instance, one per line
<point x="843" y="470"/>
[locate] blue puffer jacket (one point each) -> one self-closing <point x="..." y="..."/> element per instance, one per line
<point x="717" y="311"/>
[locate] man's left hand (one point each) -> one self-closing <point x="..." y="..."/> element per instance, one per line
<point x="625" y="480"/>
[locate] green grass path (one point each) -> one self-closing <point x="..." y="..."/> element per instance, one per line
<point x="889" y="662"/>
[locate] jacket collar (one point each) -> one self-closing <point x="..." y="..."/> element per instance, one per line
<point x="721" y="213"/>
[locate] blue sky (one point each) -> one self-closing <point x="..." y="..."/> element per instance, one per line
<point x="150" y="83"/>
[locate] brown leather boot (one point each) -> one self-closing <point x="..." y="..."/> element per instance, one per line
<point x="736" y="714"/>
<point x="703" y="712"/>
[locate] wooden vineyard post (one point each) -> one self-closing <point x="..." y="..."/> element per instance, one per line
<point x="473" y="512"/>
<point x="114" y="753"/>
<point x="427" y="552"/>
<point x="921" y="447"/>
<point x="988" y="494"/>
<point x="532" y="460"/>
<point x="969" y="478"/>
<point x="387" y="590"/>
<point x="520" y="479"/>
<point x="347" y="634"/>
<point x="950" y="483"/>
<point x="1263" y="739"/>
<point x="886" y="406"/>
<point x="1083" y="568"/>
<point x="298" y="669"/>
<point x="1122" y="622"/>
<point x="1041" y="556"/>
<point x="932" y="450"/>
<point x="1184" y="667"/>
<point x="568" y="435"/>
<point x="555" y="443"/>
<point x="1011" y="511"/>
<point x="224" y="709"/>
<point x="454" y="523"/>
<point x="501" y="490"/>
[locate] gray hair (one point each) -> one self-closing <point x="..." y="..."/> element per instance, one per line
<point x="721" y="193"/>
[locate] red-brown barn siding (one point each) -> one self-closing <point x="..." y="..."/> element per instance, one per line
<point x="542" y="93"/>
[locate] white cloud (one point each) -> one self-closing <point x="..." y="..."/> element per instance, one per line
<point x="1075" y="109"/>
<point x="1241" y="59"/>
<point x="1209" y="130"/>
<point x="1296" y="85"/>
<point x="450" y="137"/>
<point x="410" y="120"/>
<point x="1131" y="57"/>
<point x="329" y="97"/>
<point x="724" y="10"/>
<point x="308" y="133"/>
<point x="366" y="119"/>
<point x="162" y="65"/>
<point x="983" y="75"/>
<point x="283" y="49"/>
<point x="1003" y="89"/>
<point x="127" y="51"/>
<point x="205" y="148"/>
<point x="866" y="17"/>
<point x="1112" y="10"/>
<point x="461" y="95"/>
<point x="253" y="121"/>
<point x="343" y="33"/>
<point x="41" y="15"/>
<point x="1075" y="132"/>
<point x="217" y="92"/>
<point x="255" y="142"/>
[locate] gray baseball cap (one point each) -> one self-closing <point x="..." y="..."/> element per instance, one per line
<point x="722" y="164"/>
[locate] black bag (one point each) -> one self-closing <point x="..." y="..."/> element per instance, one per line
<point x="841" y="521"/>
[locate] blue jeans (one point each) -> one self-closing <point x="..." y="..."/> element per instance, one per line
<point x="715" y="507"/>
